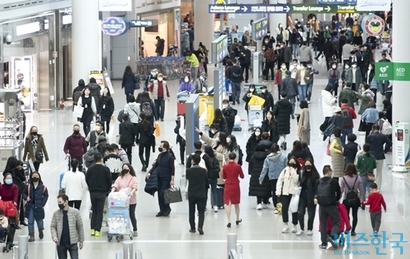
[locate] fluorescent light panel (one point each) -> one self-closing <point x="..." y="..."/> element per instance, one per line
<point x="27" y="28"/>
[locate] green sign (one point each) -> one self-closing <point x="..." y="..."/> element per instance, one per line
<point x="392" y="71"/>
<point x="320" y="8"/>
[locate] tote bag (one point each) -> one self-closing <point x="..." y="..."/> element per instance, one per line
<point x="78" y="111"/>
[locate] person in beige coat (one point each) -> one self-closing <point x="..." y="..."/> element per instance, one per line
<point x="336" y="153"/>
<point x="304" y="123"/>
<point x="35" y="148"/>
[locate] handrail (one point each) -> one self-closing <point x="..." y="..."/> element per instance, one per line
<point x="233" y="254"/>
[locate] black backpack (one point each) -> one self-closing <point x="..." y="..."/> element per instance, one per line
<point x="325" y="195"/>
<point x="348" y="121"/>
<point x="213" y="172"/>
<point x="352" y="198"/>
<point x="146" y="108"/>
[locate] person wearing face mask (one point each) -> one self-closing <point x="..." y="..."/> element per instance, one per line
<point x="285" y="187"/>
<point x="295" y="39"/>
<point x="229" y="113"/>
<point x="282" y="110"/>
<point x="201" y="84"/>
<point x="99" y="148"/>
<point x="128" y="181"/>
<point x="74" y="185"/>
<point x="354" y="77"/>
<point x="290" y="87"/>
<point x="279" y="76"/>
<point x="67" y="229"/>
<point x="105" y="109"/>
<point x="261" y="191"/>
<point x="270" y="58"/>
<point x="233" y="147"/>
<point x="267" y="96"/>
<point x="99" y="181"/>
<point x="95" y="134"/>
<point x="159" y="91"/>
<point x="9" y="191"/>
<point x="333" y="76"/>
<point x="328" y="52"/>
<point x="89" y="103"/>
<point x="247" y="97"/>
<point x="186" y="85"/>
<point x="347" y="52"/>
<point x="151" y="78"/>
<point x="287" y="55"/>
<point x="307" y="180"/>
<point x="310" y="80"/>
<point x="36" y="196"/>
<point x="164" y="166"/>
<point x="129" y="79"/>
<point x="294" y="68"/>
<point x="75" y="146"/>
<point x="245" y="61"/>
<point x="251" y="144"/>
<point x="280" y="33"/>
<point x="35" y="148"/>
<point x="235" y="76"/>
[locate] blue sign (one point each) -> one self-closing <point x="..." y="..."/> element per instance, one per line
<point x="337" y="2"/>
<point x="114" y="26"/>
<point x="248" y="8"/>
<point x="259" y="28"/>
<point x="141" y="23"/>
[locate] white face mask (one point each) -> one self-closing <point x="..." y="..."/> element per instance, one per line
<point x="97" y="128"/>
<point x="153" y="73"/>
<point x="295" y="65"/>
<point x="201" y="77"/>
<point x="354" y="66"/>
<point x="251" y="90"/>
<point x="309" y="66"/>
<point x="347" y="66"/>
<point x="213" y="131"/>
<point x="217" y="139"/>
<point x="370" y="68"/>
<point x="160" y="79"/>
<point x="186" y="80"/>
<point x="257" y="133"/>
<point x="224" y="106"/>
<point x="228" y="140"/>
<point x="266" y="41"/>
<point x="334" y="67"/>
<point x="327" y="28"/>
<point x="283" y="67"/>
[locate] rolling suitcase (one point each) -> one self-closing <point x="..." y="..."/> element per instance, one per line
<point x="220" y="196"/>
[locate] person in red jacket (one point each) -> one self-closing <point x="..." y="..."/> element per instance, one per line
<point x="75" y="147"/>
<point x="348" y="125"/>
<point x="344" y="225"/>
<point x="376" y="201"/>
<point x="279" y="76"/>
<point x="9" y="191"/>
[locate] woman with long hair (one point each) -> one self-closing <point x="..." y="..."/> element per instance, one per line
<point x="105" y="109"/>
<point x="144" y="135"/>
<point x="304" y="122"/>
<point x="351" y="182"/>
<point x="233" y="147"/>
<point x="35" y="148"/>
<point x="74" y="185"/>
<point x="269" y="125"/>
<point x="128" y="81"/>
<point x="90" y="109"/>
<point x="220" y="120"/>
<point x="143" y="99"/>
<point x="261" y="191"/>
<point x="128" y="182"/>
<point x="128" y="133"/>
<point x="307" y="180"/>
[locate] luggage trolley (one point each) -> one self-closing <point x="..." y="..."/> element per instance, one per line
<point x="119" y="223"/>
<point x="255" y="112"/>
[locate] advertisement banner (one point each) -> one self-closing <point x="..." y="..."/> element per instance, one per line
<point x="402" y="144"/>
<point x="255" y="116"/>
<point x="115" y="5"/>
<point x="21" y="77"/>
<point x="219" y="49"/>
<point x="259" y="29"/>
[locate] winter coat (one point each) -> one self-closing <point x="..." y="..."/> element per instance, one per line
<point x="38" y="199"/>
<point x="250" y="146"/>
<point x="365" y="98"/>
<point x="133" y="110"/>
<point x="105" y="108"/>
<point x="304" y="126"/>
<point x="308" y="188"/>
<point x="128" y="133"/>
<point x="305" y="54"/>
<point x="128" y="83"/>
<point x="151" y="183"/>
<point x="267" y="144"/>
<point x="221" y="154"/>
<point x="255" y="166"/>
<point x="29" y="150"/>
<point x="290" y="86"/>
<point x="282" y="111"/>
<point x="273" y="166"/>
<point x="95" y="91"/>
<point x="337" y="158"/>
<point x="273" y="131"/>
<point x="287" y="181"/>
<point x="348" y="94"/>
<point x="328" y="103"/>
<point x="349" y="152"/>
<point x="268" y="105"/>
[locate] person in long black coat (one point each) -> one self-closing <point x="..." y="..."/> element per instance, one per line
<point x="282" y="111"/>
<point x="252" y="143"/>
<point x="261" y="191"/>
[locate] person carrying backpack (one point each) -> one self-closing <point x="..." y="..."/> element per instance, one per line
<point x="349" y="115"/>
<point x="352" y="188"/>
<point x="213" y="175"/>
<point x="326" y="195"/>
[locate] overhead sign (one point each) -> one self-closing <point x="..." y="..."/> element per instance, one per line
<point x="115" y="5"/>
<point x="373" y="25"/>
<point x="337" y="2"/>
<point x="392" y="71"/>
<point x="373" y="5"/>
<point x="114" y="26"/>
<point x="219" y="49"/>
<point x="141" y="23"/>
<point x="272" y="8"/>
<point x="259" y="28"/>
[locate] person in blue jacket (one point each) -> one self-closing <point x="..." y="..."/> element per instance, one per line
<point x="128" y="81"/>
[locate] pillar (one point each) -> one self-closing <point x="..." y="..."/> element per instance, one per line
<point x="86" y="33"/>
<point x="128" y="250"/>
<point x="232" y="242"/>
<point x="401" y="53"/>
<point x="23" y="246"/>
<point x="203" y="24"/>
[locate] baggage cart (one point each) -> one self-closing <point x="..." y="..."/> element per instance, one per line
<point x="119" y="223"/>
<point x="171" y="67"/>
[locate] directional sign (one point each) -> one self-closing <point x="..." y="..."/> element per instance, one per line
<point x="141" y="23"/>
<point x="249" y="8"/>
<point x="320" y="8"/>
<point x="353" y="2"/>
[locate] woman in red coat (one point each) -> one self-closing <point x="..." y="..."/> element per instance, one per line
<point x="9" y="191"/>
<point x="231" y="172"/>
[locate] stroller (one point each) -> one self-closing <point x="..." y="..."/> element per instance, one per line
<point x="11" y="213"/>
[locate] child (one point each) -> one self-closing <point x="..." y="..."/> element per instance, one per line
<point x="344" y="223"/>
<point x="4" y="224"/>
<point x="375" y="200"/>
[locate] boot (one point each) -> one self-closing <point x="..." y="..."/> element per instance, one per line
<point x="31" y="239"/>
<point x="40" y="234"/>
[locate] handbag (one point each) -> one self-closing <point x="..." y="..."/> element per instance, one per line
<point x="362" y="126"/>
<point x="78" y="111"/>
<point x="39" y="155"/>
<point x="294" y="202"/>
<point x="172" y="195"/>
<point x="370" y="177"/>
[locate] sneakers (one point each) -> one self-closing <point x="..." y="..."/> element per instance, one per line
<point x="215" y="208"/>
<point x="135" y="233"/>
<point x="279" y="208"/>
<point x="259" y="207"/>
<point x="323" y="246"/>
<point x="332" y="241"/>
<point x="276" y="211"/>
<point x="264" y="206"/>
<point x="92" y="232"/>
<point x="309" y="233"/>
<point x="294" y="229"/>
<point x="375" y="234"/>
<point x="98" y="233"/>
<point x="299" y="232"/>
<point x="285" y="229"/>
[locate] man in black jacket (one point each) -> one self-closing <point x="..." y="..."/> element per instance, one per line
<point x="245" y="60"/>
<point x="290" y="87"/>
<point x="201" y="154"/>
<point x="327" y="195"/>
<point x="98" y="178"/>
<point x="282" y="111"/>
<point x="159" y="46"/>
<point x="236" y="77"/>
<point x="229" y="113"/>
<point x="268" y="105"/>
<point x="197" y="189"/>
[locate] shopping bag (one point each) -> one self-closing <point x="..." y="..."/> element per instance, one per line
<point x="362" y="126"/>
<point x="78" y="111"/>
<point x="328" y="148"/>
<point x="256" y="101"/>
<point x="172" y="195"/>
<point x="294" y="202"/>
<point x="157" y="131"/>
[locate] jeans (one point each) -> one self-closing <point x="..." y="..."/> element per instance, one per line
<point x="160" y="106"/>
<point x="379" y="173"/>
<point x="345" y="133"/>
<point x="75" y="204"/>
<point x="354" y="215"/>
<point x="285" y="199"/>
<point x="273" y="191"/>
<point x="295" y="50"/>
<point x="335" y="83"/>
<point x="236" y="91"/>
<point x="302" y="89"/>
<point x="128" y="149"/>
<point x="144" y="147"/>
<point x="31" y="219"/>
<point x="163" y="184"/>
<point x="325" y="212"/>
<point x="97" y="207"/>
<point x="132" y="216"/>
<point x="366" y="187"/>
<point x="194" y="73"/>
<point x="309" y="90"/>
<point x="200" y="204"/>
<point x="214" y="194"/>
<point x="62" y="251"/>
<point x="376" y="219"/>
<point x="311" y="208"/>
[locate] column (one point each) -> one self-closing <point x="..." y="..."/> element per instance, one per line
<point x="204" y="23"/>
<point x="401" y="53"/>
<point x="85" y="39"/>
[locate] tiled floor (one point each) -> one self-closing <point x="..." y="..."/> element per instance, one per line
<point x="260" y="233"/>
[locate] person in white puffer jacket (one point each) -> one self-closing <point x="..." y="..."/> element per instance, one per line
<point x="74" y="185"/>
<point x="328" y="104"/>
